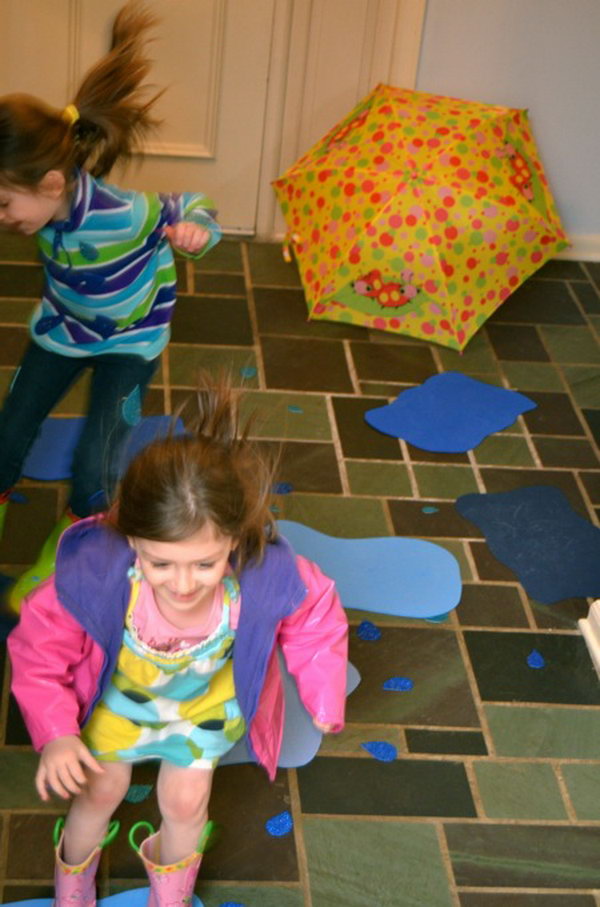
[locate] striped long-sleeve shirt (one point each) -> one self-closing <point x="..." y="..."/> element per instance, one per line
<point x="109" y="270"/>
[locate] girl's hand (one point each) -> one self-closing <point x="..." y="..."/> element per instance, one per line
<point x="324" y="728"/>
<point x="61" y="767"/>
<point x="187" y="236"/>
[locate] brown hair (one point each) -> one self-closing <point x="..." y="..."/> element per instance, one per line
<point x="113" y="108"/>
<point x="215" y="474"/>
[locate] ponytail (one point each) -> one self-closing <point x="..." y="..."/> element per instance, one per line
<point x="106" y="122"/>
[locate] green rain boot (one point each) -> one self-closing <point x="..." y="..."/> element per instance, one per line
<point x="44" y="565"/>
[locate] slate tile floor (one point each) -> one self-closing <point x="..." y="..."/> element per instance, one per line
<point x="494" y="800"/>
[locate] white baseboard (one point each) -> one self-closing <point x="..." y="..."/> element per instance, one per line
<point x="590" y="629"/>
<point x="584" y="247"/>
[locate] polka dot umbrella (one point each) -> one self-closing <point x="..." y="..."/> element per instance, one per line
<point x="419" y="214"/>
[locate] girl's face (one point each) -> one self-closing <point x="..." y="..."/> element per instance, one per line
<point x="28" y="210"/>
<point x="184" y="575"/>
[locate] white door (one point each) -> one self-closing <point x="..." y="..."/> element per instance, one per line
<point x="213" y="56"/>
<point x="251" y="83"/>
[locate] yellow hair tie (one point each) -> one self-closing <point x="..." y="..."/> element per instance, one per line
<point x="70" y="114"/>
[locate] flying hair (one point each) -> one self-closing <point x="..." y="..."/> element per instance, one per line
<point x="109" y="117"/>
<point x="215" y="473"/>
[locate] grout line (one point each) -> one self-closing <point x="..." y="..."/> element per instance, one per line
<point x="296" y="808"/>
<point x="564" y="791"/>
<point x="337" y="446"/>
<point x="447" y="862"/>
<point x="260" y="367"/>
<point x="352" y="368"/>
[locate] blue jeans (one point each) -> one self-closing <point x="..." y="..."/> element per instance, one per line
<point x="118" y="386"/>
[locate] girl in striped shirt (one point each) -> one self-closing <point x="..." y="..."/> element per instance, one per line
<point x="109" y="272"/>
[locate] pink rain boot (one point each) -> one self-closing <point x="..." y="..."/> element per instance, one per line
<point x="171" y="885"/>
<point x="76" y="885"/>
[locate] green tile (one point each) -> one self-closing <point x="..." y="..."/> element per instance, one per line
<point x="386" y="864"/>
<point x="301" y="417"/>
<point x="569" y="343"/>
<point x="519" y="790"/>
<point x="342" y="517"/>
<point x="532" y="376"/>
<point x="351" y="738"/>
<point x="584" y="382"/>
<point x="15" y="311"/>
<point x="583" y="785"/>
<point x="558" y="733"/>
<point x="269" y="268"/>
<point x="444" y="481"/>
<point x="385" y="479"/>
<point x="184" y="362"/>
<point x="477" y="359"/>
<point x="17" y="774"/>
<point x="504" y="450"/>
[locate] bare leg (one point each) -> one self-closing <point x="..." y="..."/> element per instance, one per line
<point x="183" y="795"/>
<point x="91" y="810"/>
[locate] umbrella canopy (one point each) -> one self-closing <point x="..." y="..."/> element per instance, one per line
<point x="419" y="214"/>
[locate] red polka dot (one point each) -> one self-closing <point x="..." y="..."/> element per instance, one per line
<point x="447" y="269"/>
<point x="441" y="215"/>
<point x="395" y="221"/>
<point x="512" y="225"/>
<point x="375" y="198"/>
<point x="411" y="220"/>
<point x="334" y="252"/>
<point x="323" y="175"/>
<point x="471" y="263"/>
<point x="386" y="147"/>
<point x="320" y="202"/>
<point x="315" y="235"/>
<point x="455" y="161"/>
<point x="445" y="325"/>
<point x="450" y="232"/>
<point x="463" y="174"/>
<point x="460" y="336"/>
<point x="394" y="323"/>
<point x="482" y="176"/>
<point x="430" y="286"/>
<point x="386" y="239"/>
<point x="349" y="189"/>
<point x="368" y="185"/>
<point x="427" y="328"/>
<point x="377" y="136"/>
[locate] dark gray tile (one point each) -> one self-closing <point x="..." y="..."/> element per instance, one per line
<point x="516" y="342"/>
<point x="204" y="320"/>
<point x="489" y="569"/>
<point x="502" y="672"/>
<point x="305" y="365"/>
<point x="522" y="899"/>
<point x="219" y="284"/>
<point x="370" y="787"/>
<point x="309" y="467"/>
<point x="440" y="697"/>
<point x="281" y="310"/>
<point x="21" y="280"/>
<point x="554" y="415"/>
<point x="358" y="438"/>
<point x="404" y="363"/>
<point x="13" y="342"/>
<point x="524" y="856"/>
<point x="409" y="518"/>
<point x="457" y="743"/>
<point x="487" y="605"/>
<point x="540" y="302"/>
<point x="566" y="452"/>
